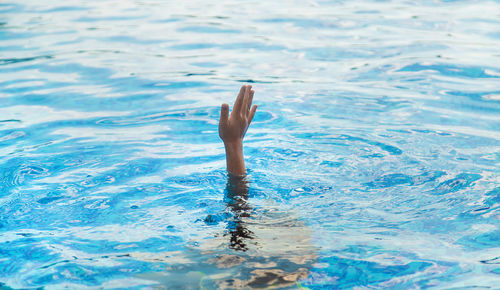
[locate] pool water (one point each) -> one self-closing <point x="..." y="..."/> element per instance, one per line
<point x="373" y="157"/>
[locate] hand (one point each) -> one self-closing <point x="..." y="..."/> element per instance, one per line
<point x="233" y="129"/>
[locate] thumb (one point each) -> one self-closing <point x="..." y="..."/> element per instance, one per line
<point x="224" y="113"/>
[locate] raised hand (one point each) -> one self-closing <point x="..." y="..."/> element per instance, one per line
<point x="232" y="129"/>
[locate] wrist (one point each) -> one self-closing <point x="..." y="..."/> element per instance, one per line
<point x="234" y="145"/>
<point x="234" y="157"/>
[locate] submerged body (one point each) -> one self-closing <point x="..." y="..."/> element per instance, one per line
<point x="248" y="246"/>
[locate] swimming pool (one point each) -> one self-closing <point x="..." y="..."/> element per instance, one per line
<point x="373" y="158"/>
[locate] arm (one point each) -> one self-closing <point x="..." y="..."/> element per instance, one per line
<point x="232" y="129"/>
<point x="236" y="197"/>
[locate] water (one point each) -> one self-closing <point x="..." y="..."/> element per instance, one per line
<point x="373" y="157"/>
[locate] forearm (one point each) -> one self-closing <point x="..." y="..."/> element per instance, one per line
<point x="234" y="158"/>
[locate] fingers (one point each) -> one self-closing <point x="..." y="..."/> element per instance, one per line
<point x="244" y="101"/>
<point x="239" y="101"/>
<point x="224" y="112"/>
<point x="244" y="106"/>
<point x="249" y="102"/>
<point x="252" y="113"/>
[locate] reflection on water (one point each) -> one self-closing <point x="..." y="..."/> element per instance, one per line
<point x="237" y="202"/>
<point x="259" y="248"/>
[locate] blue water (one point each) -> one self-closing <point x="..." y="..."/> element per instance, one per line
<point x="373" y="157"/>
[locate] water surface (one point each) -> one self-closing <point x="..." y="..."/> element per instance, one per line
<point x="373" y="158"/>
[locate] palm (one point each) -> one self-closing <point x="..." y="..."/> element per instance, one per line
<point x="233" y="128"/>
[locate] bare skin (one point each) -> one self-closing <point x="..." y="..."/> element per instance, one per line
<point x="232" y="129"/>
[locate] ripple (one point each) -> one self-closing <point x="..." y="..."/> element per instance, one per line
<point x="13" y="135"/>
<point x="461" y="181"/>
<point x="450" y="70"/>
<point x="388" y="148"/>
<point x="389" y="180"/>
<point x="50" y="199"/>
<point x="27" y="59"/>
<point x="207" y="29"/>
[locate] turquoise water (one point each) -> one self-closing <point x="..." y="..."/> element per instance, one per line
<point x="373" y="158"/>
